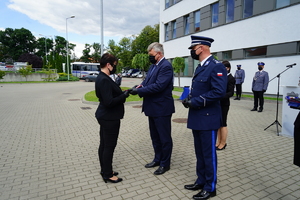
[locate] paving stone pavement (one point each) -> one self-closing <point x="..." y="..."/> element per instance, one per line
<point x="49" y="141"/>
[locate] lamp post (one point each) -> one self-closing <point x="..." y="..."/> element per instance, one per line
<point x="68" y="45"/>
<point x="45" y="47"/>
<point x="101" y="10"/>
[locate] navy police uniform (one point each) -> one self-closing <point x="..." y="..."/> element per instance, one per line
<point x="205" y="118"/>
<point x="259" y="87"/>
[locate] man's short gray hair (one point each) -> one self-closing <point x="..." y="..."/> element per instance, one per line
<point x="157" y="47"/>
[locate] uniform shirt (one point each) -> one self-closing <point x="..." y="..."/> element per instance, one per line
<point x="239" y="76"/>
<point x="260" y="81"/>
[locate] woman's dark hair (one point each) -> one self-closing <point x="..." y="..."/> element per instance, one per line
<point x="226" y="63"/>
<point x="107" y="58"/>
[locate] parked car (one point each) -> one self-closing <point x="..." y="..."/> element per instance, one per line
<point x="131" y="71"/>
<point x="141" y="75"/>
<point x="90" y="77"/>
<point x="134" y="75"/>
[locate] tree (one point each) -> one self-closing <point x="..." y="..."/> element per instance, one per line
<point x="17" y="42"/>
<point x="2" y="74"/>
<point x="113" y="48"/>
<point x="25" y="71"/>
<point x="31" y="59"/>
<point x="178" y="65"/>
<point x="125" y="54"/>
<point x="141" y="61"/>
<point x="41" y="47"/>
<point x="147" y="36"/>
<point x="97" y="52"/>
<point x="86" y="57"/>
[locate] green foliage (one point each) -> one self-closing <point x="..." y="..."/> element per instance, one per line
<point x="17" y="42"/>
<point x="141" y="61"/>
<point x="25" y="71"/>
<point x="178" y="65"/>
<point x="91" y="96"/>
<point x="147" y="36"/>
<point x="64" y="77"/>
<point x="50" y="73"/>
<point x="2" y="74"/>
<point x="86" y="57"/>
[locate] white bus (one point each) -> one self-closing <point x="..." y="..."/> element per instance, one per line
<point x="81" y="69"/>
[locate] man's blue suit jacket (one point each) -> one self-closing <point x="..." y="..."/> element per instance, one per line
<point x="157" y="90"/>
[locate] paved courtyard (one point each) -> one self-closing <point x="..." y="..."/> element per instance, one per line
<point x="49" y="139"/>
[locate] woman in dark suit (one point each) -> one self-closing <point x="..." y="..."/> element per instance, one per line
<point x="225" y="103"/>
<point x="108" y="114"/>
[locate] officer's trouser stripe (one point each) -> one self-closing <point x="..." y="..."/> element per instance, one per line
<point x="214" y="160"/>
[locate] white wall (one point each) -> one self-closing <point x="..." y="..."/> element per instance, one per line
<point x="279" y="26"/>
<point x="274" y="66"/>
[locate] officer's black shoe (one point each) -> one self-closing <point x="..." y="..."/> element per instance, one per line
<point x="152" y="164"/>
<point x="236" y="98"/>
<point x="260" y="110"/>
<point x="161" y="170"/>
<point x="204" y="195"/>
<point x="194" y="186"/>
<point x="254" y="109"/>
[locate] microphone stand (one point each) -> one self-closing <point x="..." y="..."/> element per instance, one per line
<point x="276" y="120"/>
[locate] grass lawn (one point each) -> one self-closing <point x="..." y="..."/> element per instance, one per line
<point x="91" y="96"/>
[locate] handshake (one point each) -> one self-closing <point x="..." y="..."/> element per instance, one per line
<point x="132" y="90"/>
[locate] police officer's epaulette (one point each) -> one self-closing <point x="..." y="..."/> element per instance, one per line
<point x="216" y="61"/>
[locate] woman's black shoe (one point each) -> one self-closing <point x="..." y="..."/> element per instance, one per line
<point x="218" y="149"/>
<point x="112" y="181"/>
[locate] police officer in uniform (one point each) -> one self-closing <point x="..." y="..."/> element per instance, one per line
<point x="259" y="86"/>
<point x="204" y="118"/>
<point x="239" y="80"/>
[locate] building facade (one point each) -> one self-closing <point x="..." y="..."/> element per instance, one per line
<point x="245" y="32"/>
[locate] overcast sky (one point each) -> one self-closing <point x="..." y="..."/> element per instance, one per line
<point x="48" y="17"/>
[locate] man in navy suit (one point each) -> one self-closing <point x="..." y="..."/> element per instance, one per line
<point x="158" y="105"/>
<point x="205" y="118"/>
<point x="259" y="86"/>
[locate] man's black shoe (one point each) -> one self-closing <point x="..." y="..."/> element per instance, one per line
<point x="254" y="109"/>
<point x="152" y="164"/>
<point x="204" y="195"/>
<point x="194" y="186"/>
<point x="260" y="110"/>
<point x="161" y="170"/>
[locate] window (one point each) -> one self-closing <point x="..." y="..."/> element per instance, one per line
<point x="256" y="51"/>
<point x="229" y="11"/>
<point x="248" y="8"/>
<point x="215" y="14"/>
<point x="186" y="68"/>
<point x="187" y="25"/>
<point x="167" y="4"/>
<point x="227" y="55"/>
<point x="197" y="20"/>
<point x="167" y="32"/>
<point x="282" y="3"/>
<point x="174" y="29"/>
<point x="196" y="63"/>
<point x="175" y="1"/>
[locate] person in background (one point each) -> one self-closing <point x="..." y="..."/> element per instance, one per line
<point x="259" y="86"/>
<point x="239" y="80"/>
<point x="158" y="105"/>
<point x="205" y="117"/>
<point x="225" y="104"/>
<point x="109" y="112"/>
<point x="118" y="79"/>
